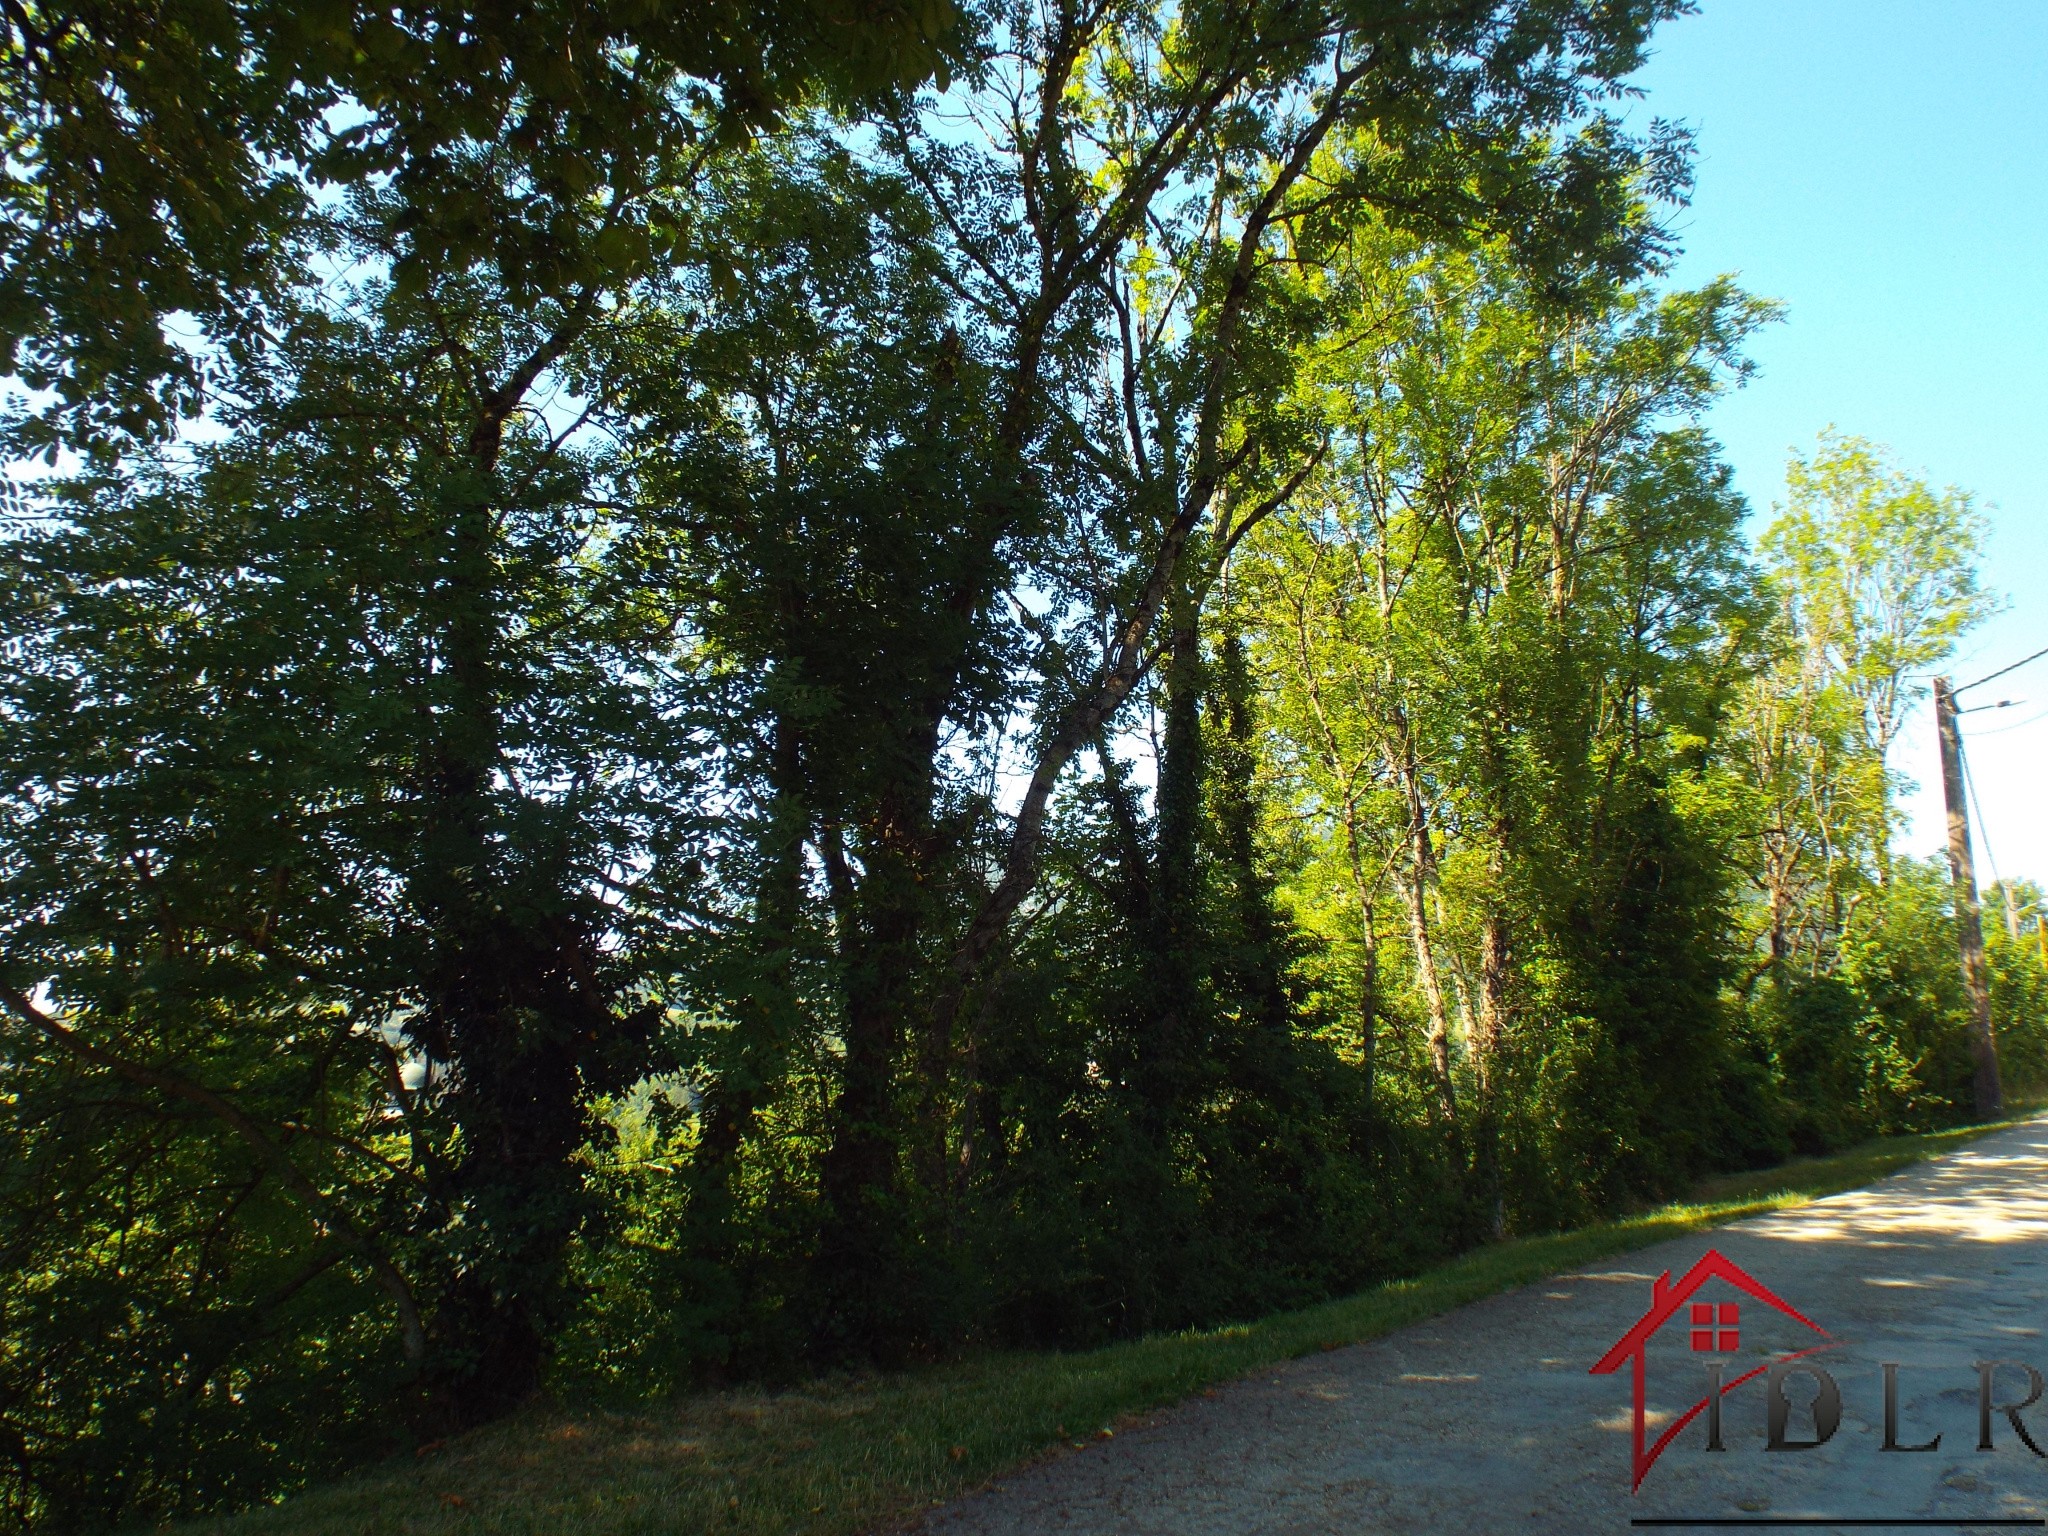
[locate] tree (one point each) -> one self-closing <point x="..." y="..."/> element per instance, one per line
<point x="329" y="782"/>
<point x="1103" y="695"/>
<point x="377" y="251"/>
<point x="1113" y="199"/>
<point x="170" y="163"/>
<point x="1882" y="572"/>
<point x="1504" y="608"/>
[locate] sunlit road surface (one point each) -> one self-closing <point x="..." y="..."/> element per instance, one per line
<point x="1486" y="1419"/>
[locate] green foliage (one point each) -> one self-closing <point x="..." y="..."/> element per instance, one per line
<point x="2016" y="944"/>
<point x="1878" y="1044"/>
<point x="842" y="1455"/>
<point x="174" y="162"/>
<point x="1498" y="636"/>
<point x="232" y="712"/>
<point x="1882" y="570"/>
<point x="774" y="720"/>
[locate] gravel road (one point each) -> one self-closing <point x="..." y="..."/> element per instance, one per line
<point x="1487" y="1419"/>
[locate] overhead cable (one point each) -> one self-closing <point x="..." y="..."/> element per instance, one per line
<point x="1977" y="805"/>
<point x="2003" y="670"/>
<point x="2007" y="730"/>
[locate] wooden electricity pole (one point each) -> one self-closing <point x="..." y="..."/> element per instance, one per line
<point x="1969" y="925"/>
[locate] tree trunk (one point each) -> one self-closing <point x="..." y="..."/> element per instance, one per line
<point x="1493" y="1016"/>
<point x="1261" y="980"/>
<point x="1422" y="869"/>
<point x="1369" y="955"/>
<point x="509" y="1014"/>
<point x="750" y="1074"/>
<point x="1495" y="958"/>
<point x="512" y="1004"/>
<point x="1171" y="1024"/>
<point x="1781" y="912"/>
<point x="870" y="1300"/>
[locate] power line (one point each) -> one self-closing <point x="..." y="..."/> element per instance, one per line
<point x="2003" y="670"/>
<point x="2012" y="912"/>
<point x="2007" y="730"/>
<point x="1977" y="805"/>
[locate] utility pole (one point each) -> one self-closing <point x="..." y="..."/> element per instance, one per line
<point x="1969" y="925"/>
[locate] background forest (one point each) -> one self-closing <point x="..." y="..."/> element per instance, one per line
<point x="695" y="694"/>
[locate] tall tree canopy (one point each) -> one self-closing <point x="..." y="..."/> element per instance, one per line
<point x="166" y="165"/>
<point x="727" y="690"/>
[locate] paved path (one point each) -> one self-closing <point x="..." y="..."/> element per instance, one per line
<point x="1486" y="1419"/>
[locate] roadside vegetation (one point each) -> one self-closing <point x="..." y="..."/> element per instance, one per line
<point x="851" y="1454"/>
<point x="715" y="696"/>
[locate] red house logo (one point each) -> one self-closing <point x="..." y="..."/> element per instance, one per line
<point x="1714" y="1329"/>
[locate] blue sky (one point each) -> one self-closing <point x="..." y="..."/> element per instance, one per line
<point x="1882" y="169"/>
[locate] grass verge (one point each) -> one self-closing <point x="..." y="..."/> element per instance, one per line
<point x="844" y="1456"/>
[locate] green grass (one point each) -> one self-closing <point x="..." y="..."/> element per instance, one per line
<point x="847" y="1455"/>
